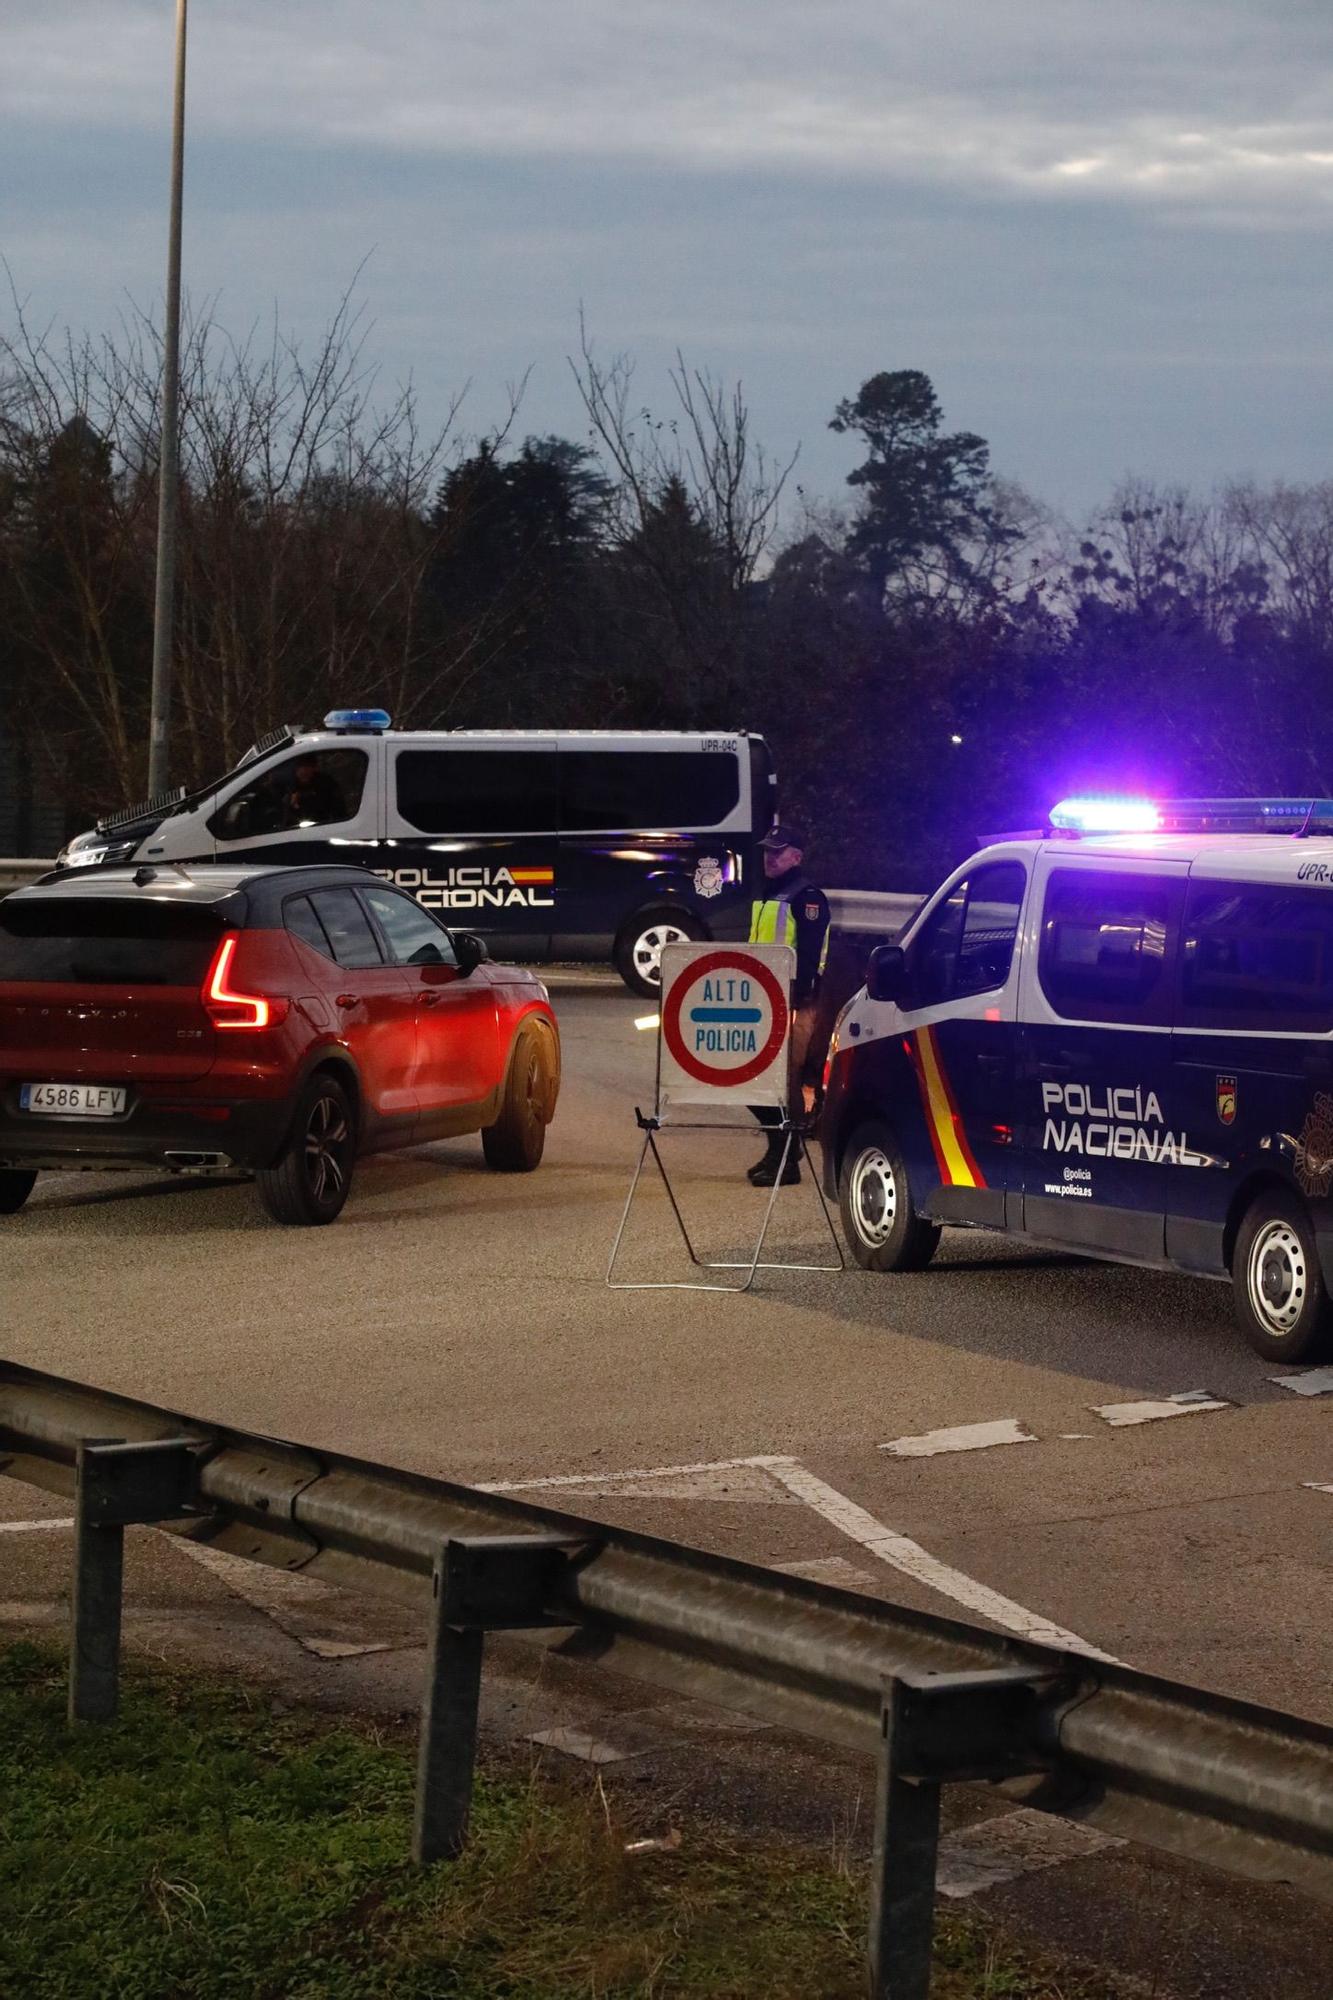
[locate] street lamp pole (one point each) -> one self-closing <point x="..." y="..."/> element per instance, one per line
<point x="168" y="474"/>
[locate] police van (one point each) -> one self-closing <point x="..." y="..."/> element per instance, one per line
<point x="1115" y="1039"/>
<point x="552" y="844"/>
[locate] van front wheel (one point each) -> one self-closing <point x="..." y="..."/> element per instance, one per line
<point x="1281" y="1299"/>
<point x="883" y="1230"/>
<point x="638" y="949"/>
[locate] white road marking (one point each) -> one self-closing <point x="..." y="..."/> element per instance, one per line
<point x="617" y="1478"/>
<point x="912" y="1560"/>
<point x="1313" y="1486"/>
<point x="282" y="1595"/>
<point x="898" y="1551"/>
<point x="736" y="1483"/>
<point x="34" y="1527"/>
<point x="831" y="1569"/>
<point x="1187" y="1404"/>
<point x="1068" y="1437"/>
<point x="1010" y="1846"/>
<point x="1311" y="1382"/>
<point x="962" y="1437"/>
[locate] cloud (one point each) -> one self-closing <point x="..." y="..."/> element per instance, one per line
<point x="1102" y="230"/>
<point x="1199" y="103"/>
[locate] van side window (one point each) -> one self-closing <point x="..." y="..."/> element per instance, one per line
<point x="967" y="945"/>
<point x="1257" y="956"/>
<point x="1105" y="944"/>
<point x="314" y="788"/>
<point x="476" y="791"/>
<point x="615" y="791"/>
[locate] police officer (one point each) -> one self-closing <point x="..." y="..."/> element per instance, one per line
<point x="791" y="910"/>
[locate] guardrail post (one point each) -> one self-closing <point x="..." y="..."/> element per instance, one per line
<point x="115" y="1485"/>
<point x="935" y="1729"/>
<point x="902" y="1877"/>
<point x="480" y="1584"/>
<point x="447" y="1751"/>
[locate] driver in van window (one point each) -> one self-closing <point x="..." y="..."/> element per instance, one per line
<point x="315" y="797"/>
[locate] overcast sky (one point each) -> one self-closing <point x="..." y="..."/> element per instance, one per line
<point x="1106" y="233"/>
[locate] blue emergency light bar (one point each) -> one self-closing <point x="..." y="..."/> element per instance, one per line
<point x="1110" y="815"/>
<point x="358" y="721"/>
<point x="1124" y="815"/>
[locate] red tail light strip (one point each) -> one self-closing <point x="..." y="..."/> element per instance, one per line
<point x="228" y="1008"/>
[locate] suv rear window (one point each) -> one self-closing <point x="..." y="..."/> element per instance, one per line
<point x="103" y="942"/>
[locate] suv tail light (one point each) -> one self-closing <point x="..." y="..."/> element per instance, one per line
<point x="226" y="1003"/>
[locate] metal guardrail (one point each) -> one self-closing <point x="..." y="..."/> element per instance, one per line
<point x="16" y="870"/>
<point x="1194" y="1773"/>
<point x="870" y="910"/>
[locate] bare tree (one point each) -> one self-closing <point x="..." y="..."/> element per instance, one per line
<point x="704" y="445"/>
<point x="305" y="537"/>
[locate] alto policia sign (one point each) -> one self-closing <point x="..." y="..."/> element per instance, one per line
<point x="724" y="1033"/>
<point x="725" y="1024"/>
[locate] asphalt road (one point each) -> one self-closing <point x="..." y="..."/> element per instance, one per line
<point x="457" y="1321"/>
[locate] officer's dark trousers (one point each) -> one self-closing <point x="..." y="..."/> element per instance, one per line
<point x="803" y="1023"/>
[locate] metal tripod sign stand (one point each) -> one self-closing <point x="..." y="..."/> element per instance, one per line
<point x="723" y="1042"/>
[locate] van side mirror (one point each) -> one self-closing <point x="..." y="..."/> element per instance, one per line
<point x="469" y="950"/>
<point x="886" y="974"/>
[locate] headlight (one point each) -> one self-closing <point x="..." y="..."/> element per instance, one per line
<point x="86" y="850"/>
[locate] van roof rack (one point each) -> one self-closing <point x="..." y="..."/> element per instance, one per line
<point x="1094" y="815"/>
<point x="161" y="802"/>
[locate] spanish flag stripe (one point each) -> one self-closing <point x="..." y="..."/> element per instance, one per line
<point x="960" y="1130"/>
<point x="941" y="1164"/>
<point x="533" y="874"/>
<point x="960" y="1169"/>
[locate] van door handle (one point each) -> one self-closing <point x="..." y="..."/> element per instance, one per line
<point x="346" y="1000"/>
<point x="430" y="999"/>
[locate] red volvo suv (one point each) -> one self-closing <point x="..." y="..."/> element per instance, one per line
<point x="279" y="1020"/>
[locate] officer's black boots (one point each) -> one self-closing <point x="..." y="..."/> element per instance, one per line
<point x="764" y="1172"/>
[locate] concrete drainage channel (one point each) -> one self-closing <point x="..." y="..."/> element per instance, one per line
<point x="1196" y="1775"/>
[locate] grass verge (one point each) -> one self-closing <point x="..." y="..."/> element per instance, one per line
<point x="203" y="1846"/>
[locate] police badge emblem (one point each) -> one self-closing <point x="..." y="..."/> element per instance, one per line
<point x="1226" y="1099"/>
<point x="708" y="877"/>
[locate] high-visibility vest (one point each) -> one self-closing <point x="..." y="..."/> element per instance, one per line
<point x="773" y="921"/>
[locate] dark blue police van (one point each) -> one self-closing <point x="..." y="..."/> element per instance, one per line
<point x="1115" y="1039"/>
<point x="552" y="844"/>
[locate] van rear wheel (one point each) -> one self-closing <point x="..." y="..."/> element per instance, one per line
<point x="638" y="949"/>
<point x="1281" y="1300"/>
<point x="883" y="1230"/>
<point x="15" y="1187"/>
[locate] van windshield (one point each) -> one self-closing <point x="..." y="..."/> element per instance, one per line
<point x="311" y="788"/>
